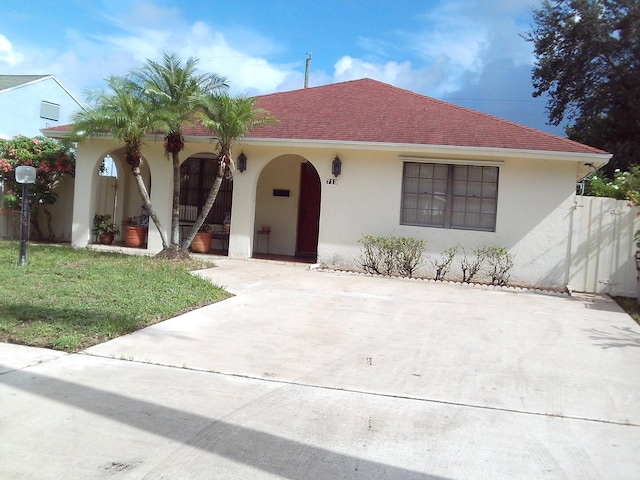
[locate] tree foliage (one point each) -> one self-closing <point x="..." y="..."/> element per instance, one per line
<point x="164" y="97"/>
<point x="122" y="112"/>
<point x="588" y="62"/>
<point x="52" y="160"/>
<point x="171" y="89"/>
<point x="228" y="119"/>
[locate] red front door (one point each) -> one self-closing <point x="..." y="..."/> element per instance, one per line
<point x="308" y="211"/>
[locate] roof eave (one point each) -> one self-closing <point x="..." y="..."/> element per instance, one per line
<point x="597" y="159"/>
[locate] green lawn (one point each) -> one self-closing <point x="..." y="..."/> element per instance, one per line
<point x="69" y="299"/>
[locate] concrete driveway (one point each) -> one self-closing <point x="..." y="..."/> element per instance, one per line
<point x="320" y="375"/>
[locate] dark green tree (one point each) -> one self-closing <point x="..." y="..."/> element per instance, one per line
<point x="588" y="62"/>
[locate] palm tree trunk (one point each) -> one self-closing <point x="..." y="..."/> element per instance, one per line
<point x="211" y="198"/>
<point x="142" y="190"/>
<point x="175" y="212"/>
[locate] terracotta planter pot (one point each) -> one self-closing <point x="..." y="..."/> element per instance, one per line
<point x="106" y="238"/>
<point x="201" y="242"/>
<point x="135" y="236"/>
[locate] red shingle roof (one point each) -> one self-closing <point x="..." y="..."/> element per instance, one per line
<point x="367" y="110"/>
<point x="370" y="111"/>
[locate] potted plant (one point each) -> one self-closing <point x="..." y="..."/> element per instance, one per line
<point x="136" y="230"/>
<point x="104" y="229"/>
<point x="202" y="240"/>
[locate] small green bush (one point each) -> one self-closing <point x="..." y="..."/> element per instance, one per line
<point x="472" y="262"/>
<point x="443" y="264"/>
<point x="499" y="261"/>
<point x="391" y="255"/>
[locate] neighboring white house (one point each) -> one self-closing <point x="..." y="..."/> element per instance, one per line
<point x="29" y="103"/>
<point x="364" y="157"/>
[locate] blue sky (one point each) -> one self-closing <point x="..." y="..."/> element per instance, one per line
<point x="468" y="52"/>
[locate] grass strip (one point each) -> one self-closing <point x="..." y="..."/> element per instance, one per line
<point x="68" y="299"/>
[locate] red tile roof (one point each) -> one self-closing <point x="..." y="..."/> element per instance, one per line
<point x="367" y="110"/>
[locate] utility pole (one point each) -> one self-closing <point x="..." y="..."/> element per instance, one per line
<point x="306" y="70"/>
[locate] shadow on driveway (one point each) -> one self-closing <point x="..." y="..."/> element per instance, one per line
<point x="619" y="338"/>
<point x="269" y="453"/>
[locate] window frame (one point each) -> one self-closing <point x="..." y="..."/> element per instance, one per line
<point x="450" y="195"/>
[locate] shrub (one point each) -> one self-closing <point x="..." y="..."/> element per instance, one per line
<point x="391" y="255"/>
<point x="369" y="259"/>
<point x="409" y="252"/>
<point x="499" y="261"/>
<point x="472" y="262"/>
<point x="597" y="185"/>
<point x="443" y="264"/>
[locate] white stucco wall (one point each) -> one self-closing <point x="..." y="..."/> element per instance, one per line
<point x="535" y="203"/>
<point x="87" y="185"/>
<point x="20" y="108"/>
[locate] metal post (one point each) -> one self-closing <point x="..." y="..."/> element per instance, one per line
<point x="25" y="224"/>
<point x="306" y="70"/>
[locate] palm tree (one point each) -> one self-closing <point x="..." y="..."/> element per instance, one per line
<point x="227" y="118"/>
<point x="123" y="113"/>
<point x="173" y="88"/>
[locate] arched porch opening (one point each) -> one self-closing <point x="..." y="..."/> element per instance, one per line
<point x="197" y="176"/>
<point x="116" y="193"/>
<point x="287" y="210"/>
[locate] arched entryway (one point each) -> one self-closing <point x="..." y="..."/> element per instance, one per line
<point x="197" y="175"/>
<point x="116" y="193"/>
<point x="287" y="211"/>
<point x="107" y="201"/>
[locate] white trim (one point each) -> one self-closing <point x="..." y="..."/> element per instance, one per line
<point x="31" y="82"/>
<point x="598" y="159"/>
<point x="411" y="148"/>
<point x="453" y="161"/>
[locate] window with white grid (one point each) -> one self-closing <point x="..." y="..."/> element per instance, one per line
<point x="450" y="196"/>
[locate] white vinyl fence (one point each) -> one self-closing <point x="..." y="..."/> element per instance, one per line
<point x="601" y="247"/>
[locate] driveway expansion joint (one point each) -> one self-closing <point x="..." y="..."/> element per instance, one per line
<point x="363" y="392"/>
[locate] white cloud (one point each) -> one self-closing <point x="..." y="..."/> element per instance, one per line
<point x="457" y="42"/>
<point x="402" y="74"/>
<point x="7" y="53"/>
<point x="245" y="70"/>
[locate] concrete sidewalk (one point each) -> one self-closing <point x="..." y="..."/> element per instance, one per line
<point x="313" y="375"/>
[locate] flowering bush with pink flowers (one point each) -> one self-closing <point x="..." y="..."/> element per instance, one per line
<point x="51" y="159"/>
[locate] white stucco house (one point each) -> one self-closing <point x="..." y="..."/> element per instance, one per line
<point x="363" y="157"/>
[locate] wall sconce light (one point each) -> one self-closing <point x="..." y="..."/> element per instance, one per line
<point x="242" y="162"/>
<point x="336" y="166"/>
